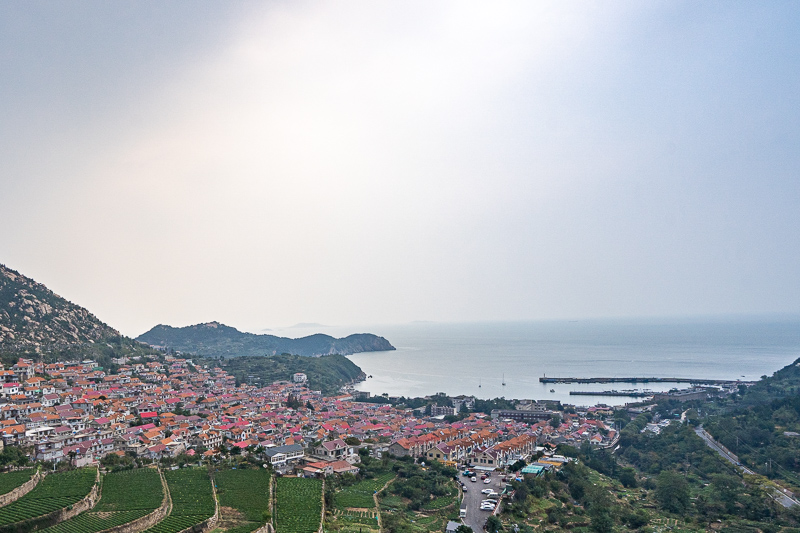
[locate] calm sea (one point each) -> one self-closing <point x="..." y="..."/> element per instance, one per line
<point x="475" y="358"/>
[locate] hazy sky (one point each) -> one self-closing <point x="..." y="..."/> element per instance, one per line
<point x="268" y="163"/>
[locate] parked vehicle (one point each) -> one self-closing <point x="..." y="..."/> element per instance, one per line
<point x="473" y="479"/>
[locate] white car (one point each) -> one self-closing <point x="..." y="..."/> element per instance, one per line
<point x="487" y="480"/>
<point x="489" y="502"/>
<point x="488" y="507"/>
<point x="473" y="479"/>
<point x="486" y="491"/>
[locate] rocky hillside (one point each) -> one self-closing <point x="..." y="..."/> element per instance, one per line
<point x="218" y="340"/>
<point x="36" y="322"/>
<point x="31" y="316"/>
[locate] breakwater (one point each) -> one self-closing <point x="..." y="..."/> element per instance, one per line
<point x="693" y="381"/>
<point x="631" y="394"/>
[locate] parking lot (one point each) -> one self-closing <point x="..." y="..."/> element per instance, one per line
<point x="473" y="496"/>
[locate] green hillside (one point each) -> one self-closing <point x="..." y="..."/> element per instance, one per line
<point x="218" y="340"/>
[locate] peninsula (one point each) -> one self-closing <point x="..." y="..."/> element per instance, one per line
<point x="215" y="340"/>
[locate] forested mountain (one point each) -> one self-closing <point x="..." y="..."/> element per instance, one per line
<point x="218" y="340"/>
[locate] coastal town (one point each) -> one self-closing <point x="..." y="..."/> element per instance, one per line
<point x="154" y="410"/>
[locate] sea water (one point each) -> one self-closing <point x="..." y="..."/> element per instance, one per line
<point x="477" y="358"/>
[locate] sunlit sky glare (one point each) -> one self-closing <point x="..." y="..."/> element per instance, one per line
<point x="267" y="163"/>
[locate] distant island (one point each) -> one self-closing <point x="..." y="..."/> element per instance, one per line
<point x="213" y="339"/>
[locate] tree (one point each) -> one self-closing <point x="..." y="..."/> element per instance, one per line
<point x="463" y="529"/>
<point x="627" y="476"/>
<point x="517" y="465"/>
<point x="293" y="403"/>
<point x="13" y="455"/>
<point x="672" y="492"/>
<point x="602" y="522"/>
<point x="493" y="524"/>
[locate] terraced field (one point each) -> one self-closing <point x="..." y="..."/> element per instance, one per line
<point x="355" y="507"/>
<point x="246" y="493"/>
<point x="192" y="500"/>
<point x="126" y="496"/>
<point x="299" y="505"/>
<point x="360" y="494"/>
<point x="11" y="480"/>
<point x="54" y="492"/>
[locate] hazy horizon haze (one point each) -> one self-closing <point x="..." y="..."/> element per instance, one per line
<point x="268" y="163"/>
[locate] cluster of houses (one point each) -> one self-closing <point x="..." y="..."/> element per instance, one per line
<point x="75" y="411"/>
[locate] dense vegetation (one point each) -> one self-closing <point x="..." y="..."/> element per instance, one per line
<point x="420" y="498"/>
<point x="760" y="424"/>
<point x="218" y="340"/>
<point x="192" y="500"/>
<point x="327" y="373"/>
<point x="126" y="496"/>
<point x="299" y="505"/>
<point x="247" y="493"/>
<point x="54" y="492"/>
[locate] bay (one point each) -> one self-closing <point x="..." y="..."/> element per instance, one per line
<point x="475" y="358"/>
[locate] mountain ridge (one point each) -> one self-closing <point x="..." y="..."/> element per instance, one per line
<point x="214" y="339"/>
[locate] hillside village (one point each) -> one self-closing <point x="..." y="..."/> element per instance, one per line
<point x="76" y="412"/>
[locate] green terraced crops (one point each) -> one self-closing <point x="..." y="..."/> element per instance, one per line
<point x="54" y="492"/>
<point x="299" y="505"/>
<point x="360" y="494"/>
<point x="192" y="500"/>
<point x="126" y="496"/>
<point x="247" y="491"/>
<point x="439" y="503"/>
<point x="11" y="480"/>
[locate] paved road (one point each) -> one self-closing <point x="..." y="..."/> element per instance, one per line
<point x="777" y="495"/>
<point x="714" y="445"/>
<point x="472" y="500"/>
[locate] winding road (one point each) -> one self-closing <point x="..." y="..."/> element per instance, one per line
<point x="777" y="494"/>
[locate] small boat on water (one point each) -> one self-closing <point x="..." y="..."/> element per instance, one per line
<point x="504" y="380"/>
<point x="552" y="390"/>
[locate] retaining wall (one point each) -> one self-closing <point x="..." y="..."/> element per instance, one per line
<point x="209" y="523"/>
<point x="22" y="490"/>
<point x="51" y="519"/>
<point x="148" y="521"/>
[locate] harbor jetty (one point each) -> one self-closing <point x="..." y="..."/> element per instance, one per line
<point x="693" y="381"/>
<point x="629" y="393"/>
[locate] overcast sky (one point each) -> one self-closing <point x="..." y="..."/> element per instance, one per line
<point x="268" y="163"/>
